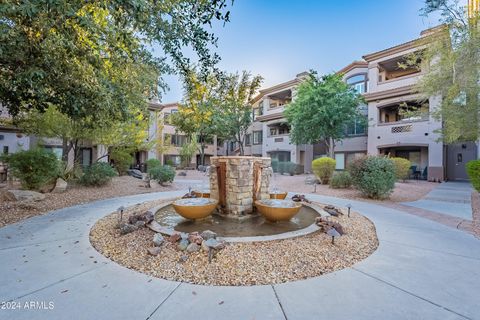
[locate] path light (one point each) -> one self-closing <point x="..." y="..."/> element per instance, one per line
<point x="120" y="213"/>
<point x="349" y="206"/>
<point x="332" y="232"/>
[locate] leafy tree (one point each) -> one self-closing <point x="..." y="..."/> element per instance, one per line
<point x="94" y="59"/>
<point x="321" y="111"/>
<point x="195" y="116"/>
<point x="234" y="114"/>
<point x="453" y="59"/>
<point x="188" y="150"/>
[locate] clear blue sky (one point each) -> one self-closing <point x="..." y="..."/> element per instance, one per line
<point x="278" y="39"/>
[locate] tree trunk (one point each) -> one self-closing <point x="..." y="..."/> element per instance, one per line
<point x="202" y="153"/>
<point x="240" y="144"/>
<point x="65" y="150"/>
<point x="331" y="148"/>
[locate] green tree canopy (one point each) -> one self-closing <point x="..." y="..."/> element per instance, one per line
<point x="453" y="57"/>
<point x="95" y="58"/>
<point x="234" y="112"/>
<point x="322" y="109"/>
<point x="195" y="116"/>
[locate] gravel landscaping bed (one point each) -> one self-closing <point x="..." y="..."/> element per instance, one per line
<point x="13" y="211"/>
<point x="255" y="263"/>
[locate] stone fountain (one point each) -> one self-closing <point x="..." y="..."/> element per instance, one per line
<point x="237" y="182"/>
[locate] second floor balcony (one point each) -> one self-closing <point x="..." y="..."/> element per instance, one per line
<point x="404" y="112"/>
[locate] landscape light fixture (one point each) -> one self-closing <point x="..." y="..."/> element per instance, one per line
<point x="332" y="232"/>
<point x="349" y="206"/>
<point x="120" y="213"/>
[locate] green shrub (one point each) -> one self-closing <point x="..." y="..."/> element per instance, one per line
<point x="340" y="180"/>
<point x="122" y="160"/>
<point x="402" y="168"/>
<point x="169" y="162"/>
<point x="152" y="163"/>
<point x="34" y="168"/>
<point x="323" y="168"/>
<point x="98" y="174"/>
<point x="275" y="165"/>
<point x="373" y="176"/>
<point x="162" y="174"/>
<point x="473" y="171"/>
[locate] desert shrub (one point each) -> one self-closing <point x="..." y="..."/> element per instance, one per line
<point x="402" y="168"/>
<point x="98" y="174"/>
<point x="323" y="168"/>
<point x="473" y="171"/>
<point x="340" y="180"/>
<point x="374" y="176"/>
<point x="275" y="165"/>
<point x="153" y="163"/>
<point x="162" y="174"/>
<point x="122" y="160"/>
<point x="34" y="168"/>
<point x="281" y="167"/>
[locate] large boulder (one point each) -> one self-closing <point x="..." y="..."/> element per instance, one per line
<point x="27" y="195"/>
<point x="7" y="196"/>
<point x="60" y="186"/>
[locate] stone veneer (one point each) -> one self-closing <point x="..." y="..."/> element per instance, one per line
<point x="239" y="182"/>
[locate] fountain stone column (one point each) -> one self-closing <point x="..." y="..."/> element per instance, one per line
<point x="237" y="181"/>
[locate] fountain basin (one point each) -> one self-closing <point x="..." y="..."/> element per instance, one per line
<point x="278" y="195"/>
<point x="195" y="208"/>
<point x="202" y="193"/>
<point x="277" y="210"/>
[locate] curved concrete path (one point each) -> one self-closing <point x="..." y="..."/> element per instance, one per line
<point x="421" y="270"/>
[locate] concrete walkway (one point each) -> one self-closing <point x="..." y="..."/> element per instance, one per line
<point x="451" y="198"/>
<point x="421" y="270"/>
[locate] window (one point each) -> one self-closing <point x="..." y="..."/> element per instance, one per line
<point x="178" y="140"/>
<point x="58" y="151"/>
<point x="340" y="161"/>
<point x="279" y="129"/>
<point x="5" y="150"/>
<point x="257" y="137"/>
<point x="248" y="139"/>
<point x="359" y="82"/>
<point x="357" y="128"/>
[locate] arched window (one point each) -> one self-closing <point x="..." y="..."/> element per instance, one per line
<point x="359" y="82"/>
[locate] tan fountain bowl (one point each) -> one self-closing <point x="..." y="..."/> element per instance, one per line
<point x="277" y="210"/>
<point x="278" y="195"/>
<point x="195" y="208"/>
<point x="202" y="193"/>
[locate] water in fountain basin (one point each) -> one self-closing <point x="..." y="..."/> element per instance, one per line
<point x="227" y="227"/>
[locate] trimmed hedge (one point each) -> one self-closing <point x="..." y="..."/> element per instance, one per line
<point x="34" y="168"/>
<point x="402" y="168"/>
<point x="162" y="174"/>
<point x="374" y="176"/>
<point x="341" y="180"/>
<point x="473" y="171"/>
<point x="323" y="168"/>
<point x="98" y="174"/>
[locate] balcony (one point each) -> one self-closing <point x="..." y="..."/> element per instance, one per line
<point x="402" y="113"/>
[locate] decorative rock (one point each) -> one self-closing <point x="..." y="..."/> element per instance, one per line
<point x="26" y="195"/>
<point x="193" y="247"/>
<point x="182" y="245"/>
<point x="183" y="258"/>
<point x="325" y="225"/>
<point x="154" y="251"/>
<point x="214" y="244"/>
<point x="60" y="186"/>
<point x="184" y="236"/>
<point x="182" y="174"/>
<point x="189" y="195"/>
<point x="333" y="211"/>
<point x="139" y="224"/>
<point x="204" y="246"/>
<point x="7" y="196"/>
<point x="194" y="237"/>
<point x="145" y="217"/>
<point x="300" y="198"/>
<point x="127" y="228"/>
<point x="174" y="237"/>
<point x="158" y="239"/>
<point x="208" y="234"/>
